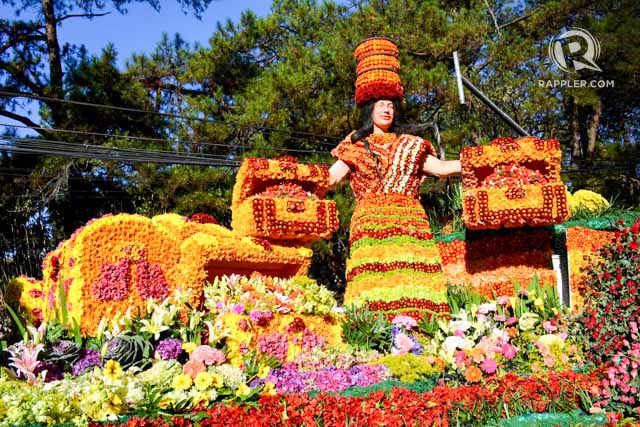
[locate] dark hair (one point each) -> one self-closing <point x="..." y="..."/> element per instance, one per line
<point x="365" y="122"/>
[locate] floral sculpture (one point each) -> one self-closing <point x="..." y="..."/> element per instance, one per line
<point x="118" y="262"/>
<point x="491" y="263"/>
<point x="513" y="183"/>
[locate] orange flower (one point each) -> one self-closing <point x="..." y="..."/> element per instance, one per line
<point x="473" y="374"/>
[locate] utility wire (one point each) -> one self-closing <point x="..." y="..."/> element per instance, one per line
<point x="135" y="155"/>
<point x="175" y="116"/>
<point x="146" y="138"/>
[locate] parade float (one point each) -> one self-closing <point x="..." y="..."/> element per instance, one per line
<point x="179" y="321"/>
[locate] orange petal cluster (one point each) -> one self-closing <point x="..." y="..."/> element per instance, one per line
<point x="583" y="245"/>
<point x="489" y="262"/>
<point x="285" y="218"/>
<point x="539" y="204"/>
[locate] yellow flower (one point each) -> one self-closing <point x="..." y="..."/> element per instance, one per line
<point x="203" y="381"/>
<point x="182" y="382"/>
<point x="243" y="390"/>
<point x="166" y="402"/>
<point x="269" y="389"/>
<point x="112" y="370"/>
<point x="189" y="346"/>
<point x="114" y="399"/>
<point x="263" y="372"/>
<point x="538" y="302"/>
<point x="200" y="399"/>
<point x="216" y="381"/>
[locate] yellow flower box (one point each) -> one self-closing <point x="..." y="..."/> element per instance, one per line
<point x="282" y="218"/>
<point x="497" y="192"/>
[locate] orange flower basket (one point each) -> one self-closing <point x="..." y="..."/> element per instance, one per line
<point x="282" y="218"/>
<point x="513" y="183"/>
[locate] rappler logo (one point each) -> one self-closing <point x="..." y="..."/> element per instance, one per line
<point x="583" y="50"/>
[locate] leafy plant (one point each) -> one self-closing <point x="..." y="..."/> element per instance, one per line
<point x="364" y="329"/>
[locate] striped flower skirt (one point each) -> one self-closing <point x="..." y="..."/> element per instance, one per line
<point x="394" y="265"/>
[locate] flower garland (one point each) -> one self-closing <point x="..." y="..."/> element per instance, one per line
<point x="512" y="183"/>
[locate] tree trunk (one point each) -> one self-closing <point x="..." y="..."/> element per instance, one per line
<point x="574" y="125"/>
<point x="592" y="130"/>
<point x="55" y="62"/>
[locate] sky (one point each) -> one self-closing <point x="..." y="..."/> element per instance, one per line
<point x="141" y="28"/>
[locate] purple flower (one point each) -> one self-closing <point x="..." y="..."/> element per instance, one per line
<point x="170" y="348"/>
<point x="88" y="358"/>
<point x="262" y="318"/>
<point x="238" y="309"/>
<point x="54" y="372"/>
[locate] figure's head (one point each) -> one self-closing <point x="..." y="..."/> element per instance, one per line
<point x="380" y="113"/>
<point x="383" y="115"/>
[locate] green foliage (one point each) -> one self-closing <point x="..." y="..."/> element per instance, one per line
<point x="463" y="297"/>
<point x="129" y="350"/>
<point x="366" y="330"/>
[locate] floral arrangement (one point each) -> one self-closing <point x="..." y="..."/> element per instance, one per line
<point x="490" y="262"/>
<point x="587" y="200"/>
<point x="278" y="199"/>
<point x="116" y="263"/>
<point x="377" y="70"/>
<point x="265" y="342"/>
<point x="512" y="183"/>
<point x="583" y="246"/>
<point x="612" y="317"/>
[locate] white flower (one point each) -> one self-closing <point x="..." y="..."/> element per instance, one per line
<point x="452" y="343"/>
<point x="486" y="308"/>
<point x="152" y="328"/>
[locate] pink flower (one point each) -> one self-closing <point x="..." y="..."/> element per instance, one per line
<point x="458" y="333"/>
<point x="193" y="368"/>
<point x="25" y="358"/>
<point x="509" y="351"/>
<point x="238" y="308"/>
<point x="549" y="361"/>
<point x="503" y="300"/>
<point x="489" y="365"/>
<point x="549" y="326"/>
<point x="460" y="358"/>
<point x="403" y="343"/>
<point x="406" y="322"/>
<point x="208" y="355"/>
<point x="512" y="321"/>
<point x="500" y="318"/>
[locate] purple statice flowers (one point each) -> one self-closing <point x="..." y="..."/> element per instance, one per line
<point x="88" y="359"/>
<point x="289" y="380"/>
<point x="170" y="348"/>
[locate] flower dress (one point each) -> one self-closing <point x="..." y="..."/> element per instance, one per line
<point x="394" y="264"/>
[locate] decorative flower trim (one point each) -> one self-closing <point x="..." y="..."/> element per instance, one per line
<point x="178" y="225"/>
<point x="286" y="219"/>
<point x="583" y="245"/>
<point x="495" y="208"/>
<point x="419" y="292"/>
<point x="256" y="174"/>
<point x="512" y="183"/>
<point x="393" y="240"/>
<point x="410" y="253"/>
<point x="375" y="45"/>
<point x="380" y="267"/>
<point x="521" y="255"/>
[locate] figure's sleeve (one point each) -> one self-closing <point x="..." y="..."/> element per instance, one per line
<point x="347" y="152"/>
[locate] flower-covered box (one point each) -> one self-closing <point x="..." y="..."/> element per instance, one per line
<point x="513" y="183"/>
<point x="280" y="199"/>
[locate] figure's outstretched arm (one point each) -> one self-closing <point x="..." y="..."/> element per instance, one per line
<point x="338" y="172"/>
<point x="441" y="168"/>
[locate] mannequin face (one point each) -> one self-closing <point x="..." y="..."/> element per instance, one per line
<point x="382" y="115"/>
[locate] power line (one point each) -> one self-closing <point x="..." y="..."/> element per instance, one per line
<point x="134" y="155"/>
<point x="151" y="139"/>
<point x="171" y="115"/>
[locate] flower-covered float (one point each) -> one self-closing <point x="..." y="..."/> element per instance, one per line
<point x="179" y="321"/>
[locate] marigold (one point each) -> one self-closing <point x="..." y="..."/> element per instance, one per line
<point x="473" y="374"/>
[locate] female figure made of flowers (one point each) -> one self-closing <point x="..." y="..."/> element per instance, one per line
<point x="394" y="264"/>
